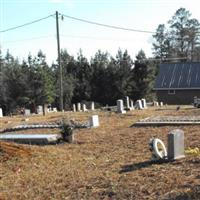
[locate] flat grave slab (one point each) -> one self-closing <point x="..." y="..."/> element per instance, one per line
<point x="30" y="138"/>
<point x="169" y="120"/>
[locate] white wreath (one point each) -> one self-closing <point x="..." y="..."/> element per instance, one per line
<point x="160" y="153"/>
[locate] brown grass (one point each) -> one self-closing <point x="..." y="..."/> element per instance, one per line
<point x="109" y="162"/>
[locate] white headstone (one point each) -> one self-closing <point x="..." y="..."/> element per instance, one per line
<point x="144" y="103"/>
<point x="138" y="105"/>
<point x="27" y="112"/>
<point x="198" y="103"/>
<point x="176" y="144"/>
<point x="155" y="103"/>
<point x="127" y="102"/>
<point x="39" y="109"/>
<point x="74" y="108"/>
<point x="84" y="107"/>
<point x="94" y="121"/>
<point x="92" y="105"/>
<point x="78" y="107"/>
<point x="132" y="105"/>
<point x="1" y="112"/>
<point x="161" y="104"/>
<point x="54" y="109"/>
<point x="195" y="101"/>
<point x="120" y="106"/>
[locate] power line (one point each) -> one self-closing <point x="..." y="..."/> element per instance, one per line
<point x="107" y="25"/>
<point x="26" y="24"/>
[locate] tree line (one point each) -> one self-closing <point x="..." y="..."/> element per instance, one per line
<point x="103" y="78"/>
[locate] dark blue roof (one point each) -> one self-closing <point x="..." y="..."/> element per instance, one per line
<point x="178" y="76"/>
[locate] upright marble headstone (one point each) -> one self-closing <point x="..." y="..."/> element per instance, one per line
<point x="78" y="107"/>
<point x="161" y="104"/>
<point x="198" y="103"/>
<point x="127" y="103"/>
<point x="94" y="121"/>
<point x="144" y="103"/>
<point x="39" y="109"/>
<point x="92" y="105"/>
<point x="195" y="101"/>
<point x="84" y="107"/>
<point x="27" y="112"/>
<point x="55" y="109"/>
<point x="120" y="106"/>
<point x="1" y="112"/>
<point x="155" y="103"/>
<point x="176" y="144"/>
<point x="138" y="105"/>
<point x="131" y="105"/>
<point x="74" y="108"/>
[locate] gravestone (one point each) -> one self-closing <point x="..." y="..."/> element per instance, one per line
<point x="144" y="103"/>
<point x="132" y="105"/>
<point x="1" y="112"/>
<point x="195" y="101"/>
<point x="74" y="108"/>
<point x="120" y="106"/>
<point x="155" y="103"/>
<point x="92" y="106"/>
<point x="176" y="144"/>
<point x="94" y="121"/>
<point x="127" y="103"/>
<point x="78" y="107"/>
<point x="39" y="109"/>
<point x="27" y="112"/>
<point x="55" y="109"/>
<point x="138" y="105"/>
<point x="161" y="104"/>
<point x="198" y="103"/>
<point x="84" y="107"/>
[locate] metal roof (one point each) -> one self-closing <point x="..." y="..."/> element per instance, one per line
<point x="179" y="76"/>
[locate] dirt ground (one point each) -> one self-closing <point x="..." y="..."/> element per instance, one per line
<point x="108" y="162"/>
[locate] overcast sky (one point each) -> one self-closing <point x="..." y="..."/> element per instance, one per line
<point x="135" y="14"/>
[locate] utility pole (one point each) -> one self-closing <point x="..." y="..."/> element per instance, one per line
<point x="59" y="63"/>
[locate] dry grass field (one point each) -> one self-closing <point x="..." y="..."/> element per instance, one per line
<point x="109" y="162"/>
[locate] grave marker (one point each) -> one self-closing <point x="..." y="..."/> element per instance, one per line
<point x="120" y="106"/>
<point x="127" y="103"/>
<point x="78" y="107"/>
<point x="74" y="108"/>
<point x="39" y="109"/>
<point x="144" y="104"/>
<point x="132" y="105"/>
<point x="1" y="112"/>
<point x="94" y="121"/>
<point x="84" y="107"/>
<point x="92" y="106"/>
<point x="138" y="105"/>
<point x="195" y="101"/>
<point x="176" y="144"/>
<point x="54" y="109"/>
<point x="155" y="103"/>
<point x="27" y="112"/>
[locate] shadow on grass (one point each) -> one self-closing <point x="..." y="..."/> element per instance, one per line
<point x="141" y="165"/>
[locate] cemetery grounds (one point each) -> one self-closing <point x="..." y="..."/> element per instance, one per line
<point x="108" y="162"/>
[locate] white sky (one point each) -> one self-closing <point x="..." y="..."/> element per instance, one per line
<point x="135" y="14"/>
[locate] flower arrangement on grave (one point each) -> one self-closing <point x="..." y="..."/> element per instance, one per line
<point x="66" y="131"/>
